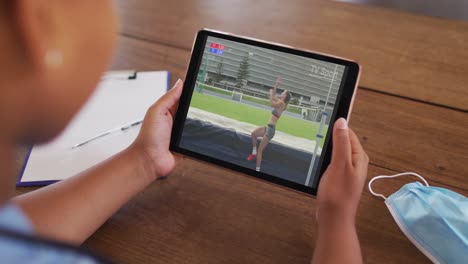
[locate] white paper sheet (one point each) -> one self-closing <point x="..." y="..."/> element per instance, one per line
<point x="116" y="102"/>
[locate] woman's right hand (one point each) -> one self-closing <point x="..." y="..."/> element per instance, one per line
<point x="155" y="133"/>
<point x="342" y="183"/>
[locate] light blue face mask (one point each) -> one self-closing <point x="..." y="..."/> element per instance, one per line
<point x="434" y="219"/>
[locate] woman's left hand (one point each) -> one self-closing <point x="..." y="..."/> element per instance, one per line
<point x="155" y="134"/>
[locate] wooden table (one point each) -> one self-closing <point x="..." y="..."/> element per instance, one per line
<point x="411" y="114"/>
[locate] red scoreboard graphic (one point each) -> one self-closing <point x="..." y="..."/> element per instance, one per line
<point x="217" y="48"/>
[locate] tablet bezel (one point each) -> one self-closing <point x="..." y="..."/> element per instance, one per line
<point x="344" y="102"/>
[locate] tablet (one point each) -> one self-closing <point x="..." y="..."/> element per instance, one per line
<point x="262" y="109"/>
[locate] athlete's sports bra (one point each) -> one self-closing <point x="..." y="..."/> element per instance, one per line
<point x="275" y="113"/>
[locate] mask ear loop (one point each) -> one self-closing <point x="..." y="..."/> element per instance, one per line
<point x="369" y="186"/>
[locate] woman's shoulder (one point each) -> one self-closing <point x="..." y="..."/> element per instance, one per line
<point x="13" y="218"/>
<point x="18" y="242"/>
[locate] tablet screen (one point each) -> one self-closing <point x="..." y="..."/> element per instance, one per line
<point x="261" y="109"/>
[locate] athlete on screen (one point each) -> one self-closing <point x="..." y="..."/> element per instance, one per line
<point x="279" y="104"/>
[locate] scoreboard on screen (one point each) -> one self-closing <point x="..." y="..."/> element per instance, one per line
<point x="217" y="48"/>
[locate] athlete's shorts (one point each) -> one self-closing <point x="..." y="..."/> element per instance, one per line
<point x="270" y="131"/>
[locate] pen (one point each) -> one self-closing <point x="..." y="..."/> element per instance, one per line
<point x="123" y="128"/>
<point x="131" y="125"/>
<point x="120" y="75"/>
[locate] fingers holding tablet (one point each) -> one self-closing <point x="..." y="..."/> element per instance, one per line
<point x="342" y="183"/>
<point x="341" y="153"/>
<point x="154" y="136"/>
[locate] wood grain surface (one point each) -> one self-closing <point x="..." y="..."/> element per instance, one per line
<point x="204" y="214"/>
<point x="413" y="56"/>
<point x="410" y="113"/>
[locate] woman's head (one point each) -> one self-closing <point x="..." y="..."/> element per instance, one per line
<point x="53" y="53"/>
<point x="286" y="96"/>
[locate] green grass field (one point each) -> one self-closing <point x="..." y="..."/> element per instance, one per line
<point x="214" y="90"/>
<point x="255" y="116"/>
<point x="291" y="108"/>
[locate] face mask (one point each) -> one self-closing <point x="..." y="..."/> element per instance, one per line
<point x="434" y="219"/>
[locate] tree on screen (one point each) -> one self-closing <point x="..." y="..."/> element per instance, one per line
<point x="218" y="76"/>
<point x="243" y="72"/>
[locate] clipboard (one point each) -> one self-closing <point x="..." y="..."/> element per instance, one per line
<point x="120" y="98"/>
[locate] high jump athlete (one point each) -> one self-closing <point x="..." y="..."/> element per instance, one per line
<point x="267" y="132"/>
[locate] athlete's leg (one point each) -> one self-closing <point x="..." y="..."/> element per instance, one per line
<point x="261" y="147"/>
<point x="259" y="132"/>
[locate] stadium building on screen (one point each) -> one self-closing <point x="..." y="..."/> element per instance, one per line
<point x="312" y="83"/>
